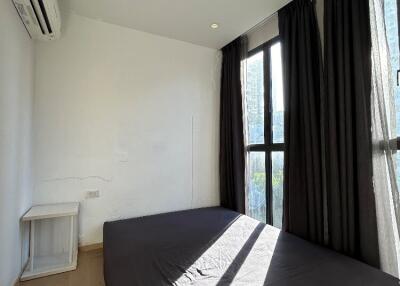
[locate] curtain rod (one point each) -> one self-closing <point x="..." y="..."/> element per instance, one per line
<point x="259" y="24"/>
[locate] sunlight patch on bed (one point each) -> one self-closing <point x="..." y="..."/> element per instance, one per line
<point x="245" y="243"/>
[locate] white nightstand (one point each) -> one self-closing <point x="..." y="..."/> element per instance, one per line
<point x="53" y="239"/>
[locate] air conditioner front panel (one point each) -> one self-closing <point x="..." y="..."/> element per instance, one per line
<point x="40" y="17"/>
<point x="28" y="17"/>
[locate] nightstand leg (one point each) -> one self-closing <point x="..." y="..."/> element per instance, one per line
<point x="32" y="244"/>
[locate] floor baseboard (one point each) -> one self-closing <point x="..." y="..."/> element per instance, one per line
<point x="90" y="247"/>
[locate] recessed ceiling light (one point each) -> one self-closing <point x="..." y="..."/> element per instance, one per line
<point x="214" y="26"/>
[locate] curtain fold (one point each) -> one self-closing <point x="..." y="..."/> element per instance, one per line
<point x="231" y="151"/>
<point x="347" y="105"/>
<point x="302" y="81"/>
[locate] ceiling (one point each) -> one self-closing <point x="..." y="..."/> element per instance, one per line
<point x="185" y="20"/>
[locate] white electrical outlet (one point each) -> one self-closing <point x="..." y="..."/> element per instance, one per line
<point x="92" y="194"/>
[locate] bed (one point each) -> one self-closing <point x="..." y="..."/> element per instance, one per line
<point x="215" y="246"/>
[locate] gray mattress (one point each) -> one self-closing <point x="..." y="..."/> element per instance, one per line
<point x="215" y="246"/>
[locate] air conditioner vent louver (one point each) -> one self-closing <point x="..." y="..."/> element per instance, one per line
<point x="37" y="17"/>
<point x="32" y="15"/>
<point x="46" y="19"/>
<point x="40" y="17"/>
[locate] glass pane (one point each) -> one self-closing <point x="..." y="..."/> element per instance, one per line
<point x="277" y="95"/>
<point x="393" y="43"/>
<point x="277" y="188"/>
<point x="255" y="98"/>
<point x="256" y="192"/>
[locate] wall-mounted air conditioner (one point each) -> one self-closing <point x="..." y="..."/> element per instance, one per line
<point x="41" y="18"/>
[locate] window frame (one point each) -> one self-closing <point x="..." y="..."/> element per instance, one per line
<point x="268" y="147"/>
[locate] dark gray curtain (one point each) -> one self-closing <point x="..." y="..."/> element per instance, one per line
<point x="231" y="152"/>
<point x="351" y="204"/>
<point x="302" y="78"/>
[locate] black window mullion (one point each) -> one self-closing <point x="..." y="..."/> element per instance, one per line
<point x="266" y="148"/>
<point x="267" y="96"/>
<point x="256" y="148"/>
<point x="268" y="131"/>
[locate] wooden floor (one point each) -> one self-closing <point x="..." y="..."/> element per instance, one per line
<point x="88" y="273"/>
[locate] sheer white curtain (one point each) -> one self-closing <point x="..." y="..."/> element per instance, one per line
<point x="384" y="143"/>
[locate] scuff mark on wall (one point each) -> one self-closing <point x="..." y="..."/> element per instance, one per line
<point x="78" y="178"/>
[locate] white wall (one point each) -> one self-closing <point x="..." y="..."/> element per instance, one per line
<point x="131" y="114"/>
<point x="16" y="92"/>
